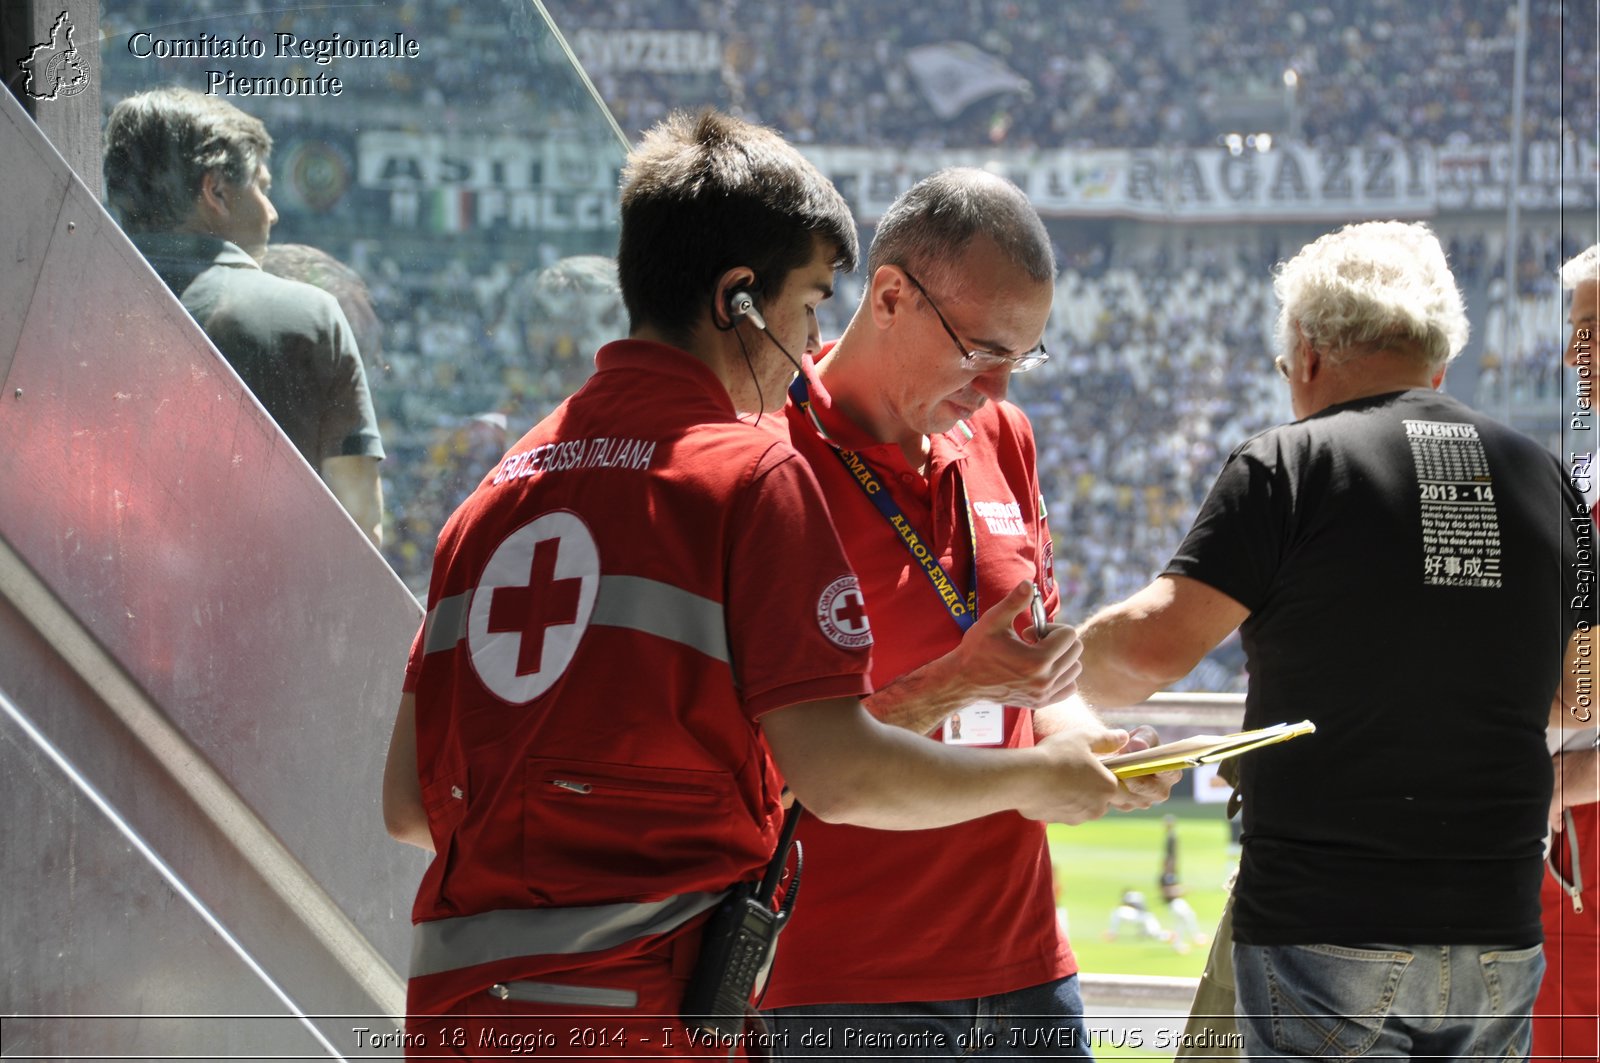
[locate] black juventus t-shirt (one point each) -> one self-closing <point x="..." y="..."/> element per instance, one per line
<point x="1406" y="563"/>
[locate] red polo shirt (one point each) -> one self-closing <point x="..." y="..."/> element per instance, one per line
<point x="961" y="911"/>
<point x="626" y="592"/>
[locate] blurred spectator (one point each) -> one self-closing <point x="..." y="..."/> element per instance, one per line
<point x="188" y="175"/>
<point x="314" y="266"/>
<point x="540" y="349"/>
<point x="1159" y="351"/>
<point x="1135" y="74"/>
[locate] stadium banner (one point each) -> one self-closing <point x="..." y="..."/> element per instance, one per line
<point x="442" y="183"/>
<point x="449" y="183"/>
<point x="1554" y="174"/>
<point x="1291" y="182"/>
<point x="648" y="51"/>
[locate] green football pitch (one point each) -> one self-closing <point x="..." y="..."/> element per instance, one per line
<point x="1097" y="862"/>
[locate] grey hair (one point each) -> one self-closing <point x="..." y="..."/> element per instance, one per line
<point x="1372" y="283"/>
<point x="1584" y="266"/>
<point x="160" y="145"/>
<point x="931" y="224"/>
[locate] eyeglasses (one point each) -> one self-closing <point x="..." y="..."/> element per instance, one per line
<point x="1281" y="364"/>
<point x="983" y="361"/>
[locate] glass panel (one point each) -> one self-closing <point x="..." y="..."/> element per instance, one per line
<point x="74" y="938"/>
<point x="457" y="167"/>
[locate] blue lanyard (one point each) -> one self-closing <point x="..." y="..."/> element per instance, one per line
<point x="963" y="609"/>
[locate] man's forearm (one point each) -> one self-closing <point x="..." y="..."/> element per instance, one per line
<point x="1069" y="712"/>
<point x="404" y="815"/>
<point x="355" y="482"/>
<point x="1153" y="639"/>
<point x="847" y="767"/>
<point x="1107" y="680"/>
<point x="992" y="663"/>
<point x="921" y="700"/>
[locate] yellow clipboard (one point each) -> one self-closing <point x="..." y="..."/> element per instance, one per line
<point x="1202" y="749"/>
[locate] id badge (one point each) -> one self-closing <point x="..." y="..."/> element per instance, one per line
<point x="983" y="723"/>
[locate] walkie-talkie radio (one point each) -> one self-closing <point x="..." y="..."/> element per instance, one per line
<point x="737" y="945"/>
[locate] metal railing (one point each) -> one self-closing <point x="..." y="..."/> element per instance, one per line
<point x="1223" y="712"/>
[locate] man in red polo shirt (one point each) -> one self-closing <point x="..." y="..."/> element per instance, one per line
<point x="910" y="941"/>
<point x="639" y="618"/>
<point x="1566" y="1022"/>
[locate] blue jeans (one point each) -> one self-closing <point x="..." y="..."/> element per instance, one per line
<point x="1400" y="1001"/>
<point x="1042" y="1020"/>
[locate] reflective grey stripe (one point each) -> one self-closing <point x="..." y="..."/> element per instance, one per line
<point x="447" y="623"/>
<point x="633" y="602"/>
<point x="554" y="993"/>
<point x="506" y="933"/>
<point x="661" y="609"/>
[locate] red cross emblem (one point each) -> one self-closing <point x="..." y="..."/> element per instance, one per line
<point x="850" y="612"/>
<point x="842" y="614"/>
<point x="532" y="606"/>
<point x="545" y="602"/>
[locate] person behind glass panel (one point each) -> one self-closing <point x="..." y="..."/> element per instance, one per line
<point x="187" y="175"/>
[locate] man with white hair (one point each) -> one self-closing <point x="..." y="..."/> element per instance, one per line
<point x="1566" y="1024"/>
<point x="1400" y="568"/>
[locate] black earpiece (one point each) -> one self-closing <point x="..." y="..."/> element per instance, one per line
<point x="742" y="304"/>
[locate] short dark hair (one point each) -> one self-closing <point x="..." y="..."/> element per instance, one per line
<point x="931" y="224"/>
<point x="160" y="145"/>
<point x="704" y="193"/>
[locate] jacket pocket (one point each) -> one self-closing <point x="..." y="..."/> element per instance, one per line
<point x="594" y="829"/>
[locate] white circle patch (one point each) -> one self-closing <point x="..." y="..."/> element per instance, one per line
<point x="531" y="606"/>
<point x="842" y="614"/>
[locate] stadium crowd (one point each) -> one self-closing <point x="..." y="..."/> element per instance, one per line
<point x="1158" y="358"/>
<point x="1160" y="362"/>
<point x="1131" y="74"/>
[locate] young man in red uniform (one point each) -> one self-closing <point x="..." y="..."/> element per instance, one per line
<point x="911" y="942"/>
<point x="1566" y="1022"/>
<point x="640" y="617"/>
